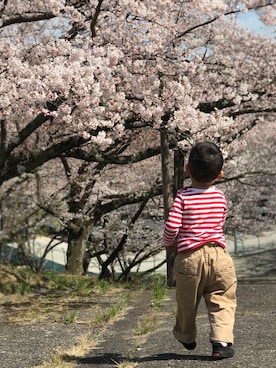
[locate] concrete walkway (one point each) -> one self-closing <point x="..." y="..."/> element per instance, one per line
<point x="255" y="335"/>
<point x="27" y="346"/>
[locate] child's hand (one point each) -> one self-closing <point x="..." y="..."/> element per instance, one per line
<point x="171" y="248"/>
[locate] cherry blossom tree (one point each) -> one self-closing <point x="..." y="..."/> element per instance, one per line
<point x="82" y="81"/>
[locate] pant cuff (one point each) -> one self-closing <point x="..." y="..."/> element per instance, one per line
<point x="186" y="338"/>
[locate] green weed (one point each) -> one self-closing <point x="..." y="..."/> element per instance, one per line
<point x="159" y="291"/>
<point x="112" y="312"/>
<point x="70" y="317"/>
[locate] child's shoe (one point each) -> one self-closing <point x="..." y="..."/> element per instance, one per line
<point x="221" y="352"/>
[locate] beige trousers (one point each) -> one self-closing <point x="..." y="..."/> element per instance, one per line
<point x="209" y="272"/>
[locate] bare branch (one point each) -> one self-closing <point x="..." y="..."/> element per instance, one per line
<point x="215" y="18"/>
<point x="27" y="19"/>
<point x="252" y="111"/>
<point x="95" y="18"/>
<point x="246" y="174"/>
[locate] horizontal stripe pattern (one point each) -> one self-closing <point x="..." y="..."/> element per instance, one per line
<point x="197" y="216"/>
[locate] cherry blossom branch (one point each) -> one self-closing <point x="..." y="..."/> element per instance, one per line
<point x="27" y="19"/>
<point x="240" y="132"/>
<point x="3" y="136"/>
<point x="98" y="156"/>
<point x="125" y="199"/>
<point x="218" y="16"/>
<point x="123" y="239"/>
<point x="252" y="111"/>
<point x="3" y="7"/>
<point x="222" y="104"/>
<point x="106" y="205"/>
<point x="16" y="165"/>
<point x="29" y="129"/>
<point x="95" y="18"/>
<point x="245" y="174"/>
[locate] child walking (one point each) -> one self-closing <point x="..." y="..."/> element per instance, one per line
<point x="202" y="266"/>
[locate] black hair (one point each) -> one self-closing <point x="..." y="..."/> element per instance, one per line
<point x="205" y="162"/>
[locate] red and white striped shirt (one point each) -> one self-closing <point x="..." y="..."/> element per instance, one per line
<point x="196" y="217"/>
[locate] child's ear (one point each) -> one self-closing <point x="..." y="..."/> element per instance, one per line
<point x="220" y="175"/>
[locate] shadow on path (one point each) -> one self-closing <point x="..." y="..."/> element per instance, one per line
<point x="118" y="358"/>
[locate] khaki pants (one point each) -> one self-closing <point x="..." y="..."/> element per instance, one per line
<point x="209" y="272"/>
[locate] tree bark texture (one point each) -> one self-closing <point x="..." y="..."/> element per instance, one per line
<point x="78" y="233"/>
<point x="167" y="196"/>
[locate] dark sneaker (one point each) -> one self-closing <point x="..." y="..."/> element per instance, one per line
<point x="221" y="352"/>
<point x="190" y="346"/>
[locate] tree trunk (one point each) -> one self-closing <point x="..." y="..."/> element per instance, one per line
<point x="1" y="229"/>
<point x="177" y="184"/>
<point x="167" y="196"/>
<point x="78" y="234"/>
<point x="178" y="171"/>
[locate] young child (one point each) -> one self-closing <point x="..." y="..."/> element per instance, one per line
<point x="202" y="266"/>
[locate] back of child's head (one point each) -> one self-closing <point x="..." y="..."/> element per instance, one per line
<point x="205" y="162"/>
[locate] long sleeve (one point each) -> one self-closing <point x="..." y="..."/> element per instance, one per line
<point x="173" y="222"/>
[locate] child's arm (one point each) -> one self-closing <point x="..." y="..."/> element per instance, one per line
<point x="172" y="247"/>
<point x="173" y="223"/>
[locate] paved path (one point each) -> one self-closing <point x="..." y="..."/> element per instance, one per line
<point x="255" y="332"/>
<point x="27" y="346"/>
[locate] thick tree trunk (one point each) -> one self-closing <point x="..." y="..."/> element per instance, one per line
<point x="78" y="233"/>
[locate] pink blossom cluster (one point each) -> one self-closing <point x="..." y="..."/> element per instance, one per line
<point x="110" y="66"/>
<point x="147" y="59"/>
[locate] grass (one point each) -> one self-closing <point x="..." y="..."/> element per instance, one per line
<point x="159" y="290"/>
<point x="30" y="297"/>
<point x="36" y="297"/>
<point x="67" y="358"/>
<point x="70" y="317"/>
<point x="112" y="312"/>
<point x="147" y="324"/>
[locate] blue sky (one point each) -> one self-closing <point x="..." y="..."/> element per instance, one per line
<point x="251" y="21"/>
